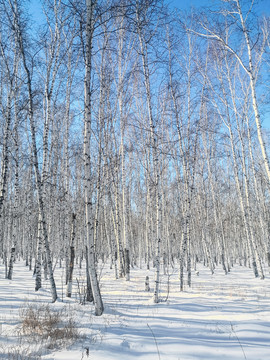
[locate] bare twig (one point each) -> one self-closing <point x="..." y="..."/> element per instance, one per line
<point x="155" y="340"/>
<point x="238" y="340"/>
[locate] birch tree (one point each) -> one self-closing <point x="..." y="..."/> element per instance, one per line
<point x="236" y="16"/>
<point x="142" y="12"/>
<point x="20" y="39"/>
<point x="187" y="126"/>
<point x="88" y="52"/>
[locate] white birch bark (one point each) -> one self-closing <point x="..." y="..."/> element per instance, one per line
<point x="16" y="197"/>
<point x="236" y="11"/>
<point x="154" y="150"/>
<point x="186" y="145"/>
<point x="246" y="210"/>
<point x="5" y="161"/>
<point x="262" y="214"/>
<point x="251" y="73"/>
<point x="123" y="57"/>
<point x="87" y="157"/>
<point x="242" y="204"/>
<point x="11" y="74"/>
<point x="218" y="221"/>
<point x="248" y="206"/>
<point x="20" y="41"/>
<point x="71" y="258"/>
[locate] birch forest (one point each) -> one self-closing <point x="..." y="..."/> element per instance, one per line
<point x="135" y="134"/>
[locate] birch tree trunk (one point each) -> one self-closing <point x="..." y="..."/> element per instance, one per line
<point x="235" y="10"/>
<point x="87" y="156"/>
<point x="251" y="73"/>
<point x="12" y="85"/>
<point x="71" y="258"/>
<point x="187" y="145"/>
<point x="21" y="44"/>
<point x="154" y="145"/>
<point x="248" y="230"/>
<point x="7" y="111"/>
<point x="259" y="198"/>
<point x="16" y="197"/>
<point x="246" y="210"/>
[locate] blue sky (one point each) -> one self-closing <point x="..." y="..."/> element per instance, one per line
<point x="263" y="6"/>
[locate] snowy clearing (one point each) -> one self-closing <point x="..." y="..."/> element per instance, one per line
<point x="219" y="317"/>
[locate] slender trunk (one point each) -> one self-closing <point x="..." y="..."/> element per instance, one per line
<point x="87" y="158"/>
<point x="38" y="257"/>
<point x="5" y="157"/>
<point x="154" y="152"/>
<point x="20" y="41"/>
<point x="16" y="197"/>
<point x="244" y="198"/>
<point x="251" y="74"/>
<point x="72" y="257"/>
<point x="89" y="292"/>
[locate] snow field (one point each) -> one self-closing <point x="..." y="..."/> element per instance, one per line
<point x="219" y="317"/>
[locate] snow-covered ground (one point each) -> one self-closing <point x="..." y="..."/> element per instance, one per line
<point x="219" y="317"/>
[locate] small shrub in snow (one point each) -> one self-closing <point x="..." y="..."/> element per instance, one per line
<point x="40" y="322"/>
<point x="17" y="352"/>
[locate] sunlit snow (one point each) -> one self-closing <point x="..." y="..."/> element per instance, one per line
<point x="219" y="317"/>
